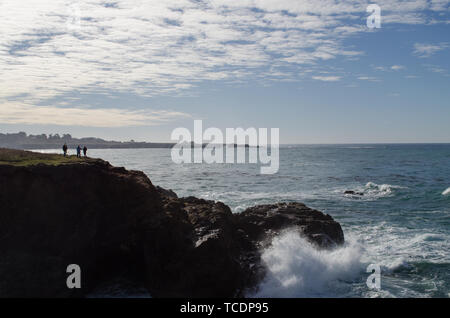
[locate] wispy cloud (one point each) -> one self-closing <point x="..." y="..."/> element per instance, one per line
<point x="369" y="78"/>
<point x="389" y="68"/>
<point x="154" y="47"/>
<point x="397" y="67"/>
<point x="436" y="69"/>
<point x="424" y="50"/>
<point x="51" y="48"/>
<point x="327" y="78"/>
<point x="22" y="113"/>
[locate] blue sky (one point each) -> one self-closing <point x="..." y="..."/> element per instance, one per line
<point x="138" y="69"/>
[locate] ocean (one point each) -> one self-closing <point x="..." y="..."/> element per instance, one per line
<point x="401" y="223"/>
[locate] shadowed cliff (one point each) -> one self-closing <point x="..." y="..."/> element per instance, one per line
<point x="115" y="224"/>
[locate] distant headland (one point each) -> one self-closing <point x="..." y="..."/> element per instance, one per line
<point x="22" y="140"/>
<point x="55" y="141"/>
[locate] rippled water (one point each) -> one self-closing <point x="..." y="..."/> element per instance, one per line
<point x="401" y="222"/>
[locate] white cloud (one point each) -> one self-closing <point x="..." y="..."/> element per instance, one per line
<point x="435" y="68"/>
<point x="379" y="68"/>
<point x="426" y="50"/>
<point x="389" y="68"/>
<point x="397" y="67"/>
<point x="22" y="113"/>
<point x="440" y="5"/>
<point x="327" y="78"/>
<point x="164" y="47"/>
<point x="368" y="78"/>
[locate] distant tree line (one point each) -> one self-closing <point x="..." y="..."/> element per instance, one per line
<point x="21" y="140"/>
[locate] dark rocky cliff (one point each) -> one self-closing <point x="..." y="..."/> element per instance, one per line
<point x="116" y="223"/>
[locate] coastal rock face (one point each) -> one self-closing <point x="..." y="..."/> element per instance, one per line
<point x="115" y="224"/>
<point x="86" y="214"/>
<point x="265" y="221"/>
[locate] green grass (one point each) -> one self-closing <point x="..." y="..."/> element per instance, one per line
<point x="22" y="158"/>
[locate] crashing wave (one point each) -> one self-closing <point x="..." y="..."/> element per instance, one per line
<point x="371" y="186"/>
<point x="371" y="191"/>
<point x="379" y="190"/>
<point x="295" y="268"/>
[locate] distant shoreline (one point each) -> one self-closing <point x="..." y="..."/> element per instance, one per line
<point x="23" y="141"/>
<point x="73" y="146"/>
<point x="43" y="142"/>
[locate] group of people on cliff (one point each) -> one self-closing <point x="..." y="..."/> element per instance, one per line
<point x="65" y="148"/>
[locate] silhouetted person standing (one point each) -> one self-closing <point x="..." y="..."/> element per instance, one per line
<point x="78" y="151"/>
<point x="65" y="150"/>
<point x="84" y="150"/>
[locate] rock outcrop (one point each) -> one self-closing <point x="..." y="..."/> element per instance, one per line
<point x="351" y="192"/>
<point x="115" y="223"/>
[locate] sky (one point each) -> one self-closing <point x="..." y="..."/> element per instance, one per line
<point x="135" y="69"/>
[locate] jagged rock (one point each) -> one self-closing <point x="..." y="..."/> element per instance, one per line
<point x="264" y="221"/>
<point x="351" y="192"/>
<point x="119" y="227"/>
<point x="166" y="193"/>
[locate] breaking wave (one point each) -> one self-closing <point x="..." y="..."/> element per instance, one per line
<point x="371" y="191"/>
<point x="295" y="268"/>
<point x="374" y="189"/>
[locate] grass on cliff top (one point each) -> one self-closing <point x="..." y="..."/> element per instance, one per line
<point x="14" y="157"/>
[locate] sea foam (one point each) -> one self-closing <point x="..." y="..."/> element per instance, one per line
<point x="371" y="191"/>
<point x="295" y="268"/>
<point x="379" y="189"/>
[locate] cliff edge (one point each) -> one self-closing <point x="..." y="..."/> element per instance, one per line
<point x="115" y="224"/>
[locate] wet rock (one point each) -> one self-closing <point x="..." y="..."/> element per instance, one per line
<point x="351" y="192"/>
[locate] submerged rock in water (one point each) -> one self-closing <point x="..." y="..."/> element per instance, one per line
<point x="351" y="192"/>
<point x="116" y="225"/>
